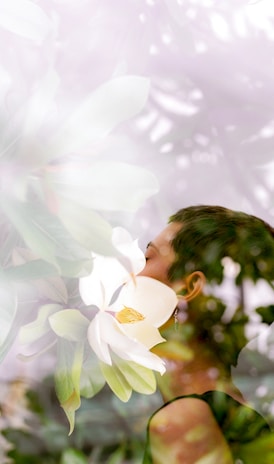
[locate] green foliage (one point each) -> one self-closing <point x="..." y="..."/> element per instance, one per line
<point x="73" y="456"/>
<point x="210" y="234"/>
<point x="246" y="433"/>
<point x="267" y="313"/>
<point x="106" y="430"/>
<point x="206" y="324"/>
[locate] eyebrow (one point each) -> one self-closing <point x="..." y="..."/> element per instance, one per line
<point x="151" y="244"/>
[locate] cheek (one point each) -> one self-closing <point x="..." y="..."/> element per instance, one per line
<point x="156" y="270"/>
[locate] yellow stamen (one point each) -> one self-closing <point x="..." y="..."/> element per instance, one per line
<point x="129" y="316"/>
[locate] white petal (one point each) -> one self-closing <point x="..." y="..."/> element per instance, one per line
<point x="95" y="338"/>
<point x="106" y="277"/>
<point x="91" y="290"/>
<point x="69" y="324"/>
<point x="40" y="326"/>
<point x="24" y="18"/>
<point x="40" y="102"/>
<point x="108" y="273"/>
<point x="143" y="357"/>
<point x="155" y="300"/>
<point x="125" y="347"/>
<point x="143" y="332"/>
<point x="104" y="185"/>
<point x="111" y="103"/>
<point x="123" y="241"/>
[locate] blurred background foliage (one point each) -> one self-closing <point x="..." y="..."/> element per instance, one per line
<point x="102" y="108"/>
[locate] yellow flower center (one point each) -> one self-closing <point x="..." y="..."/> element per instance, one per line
<point x="129" y="316"/>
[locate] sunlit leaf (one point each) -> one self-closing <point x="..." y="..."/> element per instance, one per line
<point x="174" y="349"/>
<point x="69" y="324"/>
<point x="253" y="451"/>
<point x="139" y="378"/>
<point x="67" y="378"/>
<point x="73" y="456"/>
<point x="116" y="381"/>
<point x="92" y="379"/>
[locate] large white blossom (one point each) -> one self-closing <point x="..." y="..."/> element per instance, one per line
<point x="110" y="340"/>
<point x="128" y="325"/>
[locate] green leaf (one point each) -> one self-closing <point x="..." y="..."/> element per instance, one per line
<point x="174" y="349"/>
<point x="116" y="381"/>
<point x="73" y="456"/>
<point x="67" y="378"/>
<point x="32" y="270"/>
<point x="77" y="268"/>
<point x="48" y="239"/>
<point x="86" y="226"/>
<point x="92" y="379"/>
<point x="69" y="324"/>
<point x="40" y="326"/>
<point x="253" y="451"/>
<point x="141" y="379"/>
<point x="267" y="313"/>
<point x="47" y="283"/>
<point x="23" y="216"/>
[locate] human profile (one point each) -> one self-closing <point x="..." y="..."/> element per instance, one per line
<point x="205" y="416"/>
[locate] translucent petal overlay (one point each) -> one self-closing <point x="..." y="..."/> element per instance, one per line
<point x="122" y="240"/>
<point x="111" y="103"/>
<point x="92" y="379"/>
<point x="104" y="185"/>
<point x="8" y="308"/>
<point x="108" y="273"/>
<point x="155" y="300"/>
<point x="24" y="18"/>
<point x="40" y="326"/>
<point x="106" y="333"/>
<point x="69" y="324"/>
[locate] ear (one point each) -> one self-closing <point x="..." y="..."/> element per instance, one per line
<point x="192" y="286"/>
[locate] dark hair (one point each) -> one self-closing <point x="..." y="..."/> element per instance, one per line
<point x="210" y="233"/>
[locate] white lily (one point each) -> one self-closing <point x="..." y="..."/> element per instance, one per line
<point x="123" y="331"/>
<point x="108" y="273"/>
<point x="143" y="305"/>
<point x="113" y="345"/>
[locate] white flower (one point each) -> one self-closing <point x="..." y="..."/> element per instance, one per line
<point x="143" y="305"/>
<point x="113" y="343"/>
<point x="108" y="273"/>
<point x="127" y="327"/>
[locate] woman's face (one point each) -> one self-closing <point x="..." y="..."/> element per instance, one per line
<point x="160" y="255"/>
